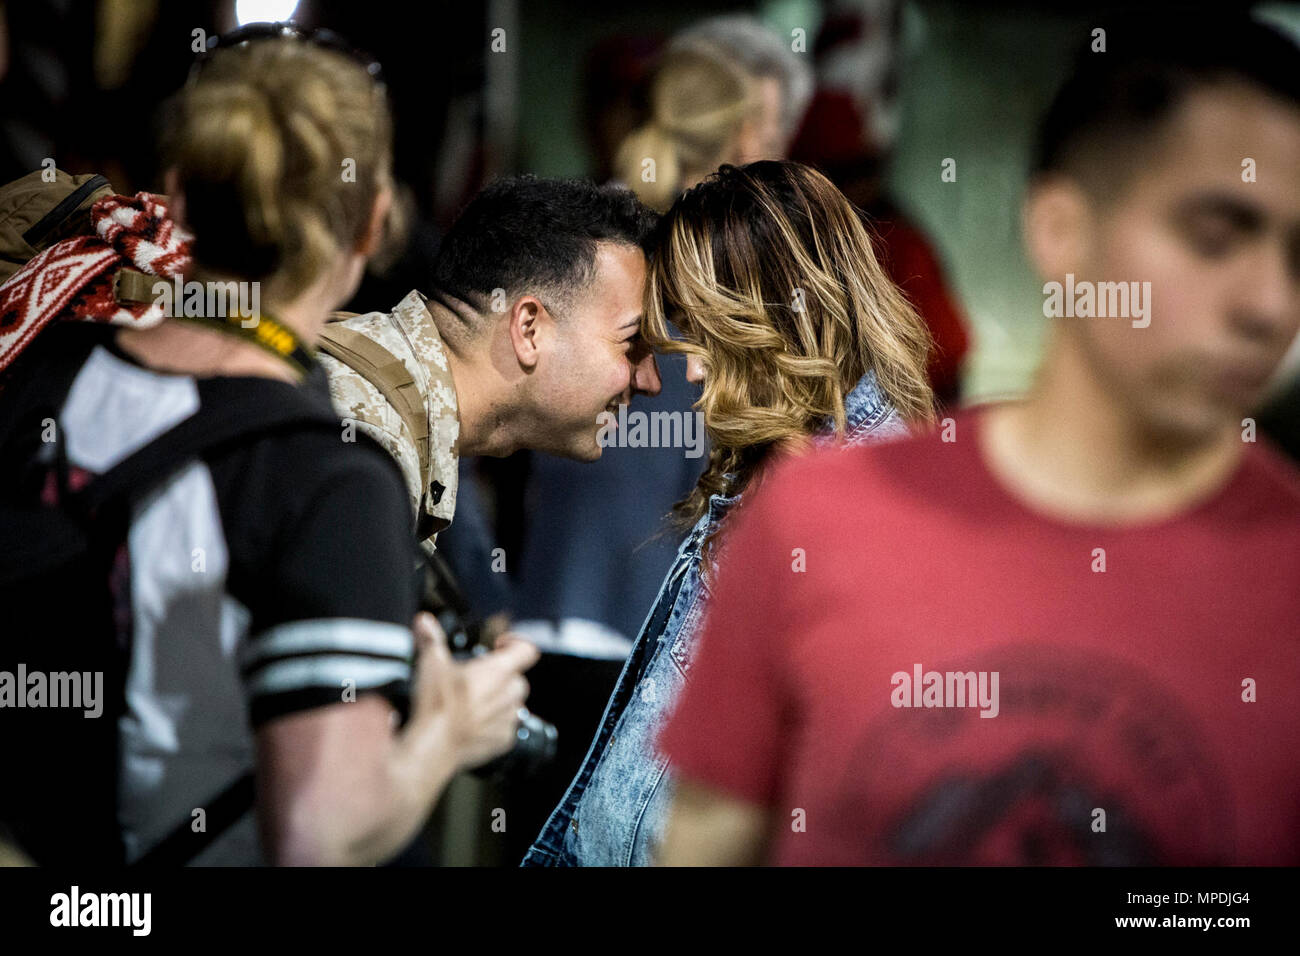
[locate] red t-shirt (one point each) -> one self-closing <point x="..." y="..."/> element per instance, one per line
<point x="1145" y="713"/>
<point x="911" y="262"/>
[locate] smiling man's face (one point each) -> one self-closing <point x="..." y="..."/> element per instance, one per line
<point x="599" y="360"/>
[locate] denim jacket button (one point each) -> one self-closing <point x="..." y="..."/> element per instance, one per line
<point x="573" y="824"/>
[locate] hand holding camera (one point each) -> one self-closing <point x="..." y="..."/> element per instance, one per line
<point x="479" y="698"/>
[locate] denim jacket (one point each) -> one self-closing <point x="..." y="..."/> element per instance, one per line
<point x="615" y="810"/>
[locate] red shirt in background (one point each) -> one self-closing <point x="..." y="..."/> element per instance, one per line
<point x="910" y="260"/>
<point x="1121" y="734"/>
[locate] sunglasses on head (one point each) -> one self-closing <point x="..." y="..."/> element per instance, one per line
<point x="326" y="39"/>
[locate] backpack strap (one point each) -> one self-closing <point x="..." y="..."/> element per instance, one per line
<point x="183" y="843"/>
<point x="132" y="285"/>
<point x="386" y="372"/>
<point x="201" y="434"/>
<point x="33" y="374"/>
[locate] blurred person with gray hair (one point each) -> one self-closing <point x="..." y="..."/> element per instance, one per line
<point x="784" y="80"/>
<point x="726" y="91"/>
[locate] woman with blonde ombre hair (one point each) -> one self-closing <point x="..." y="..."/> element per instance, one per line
<point x="799" y="340"/>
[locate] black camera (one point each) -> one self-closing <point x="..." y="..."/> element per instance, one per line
<point x="536" y="740"/>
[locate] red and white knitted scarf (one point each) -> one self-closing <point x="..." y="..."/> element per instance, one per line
<point x="73" y="279"/>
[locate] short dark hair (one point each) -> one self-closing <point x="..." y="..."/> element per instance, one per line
<point x="525" y="234"/>
<point x="1116" y="101"/>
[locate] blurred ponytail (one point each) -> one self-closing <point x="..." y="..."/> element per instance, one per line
<point x="698" y="101"/>
<point x="650" y="142"/>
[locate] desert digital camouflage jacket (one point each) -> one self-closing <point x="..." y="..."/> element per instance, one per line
<point x="409" y="333"/>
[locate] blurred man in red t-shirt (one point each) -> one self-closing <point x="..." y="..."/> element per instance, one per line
<point x="1065" y="629"/>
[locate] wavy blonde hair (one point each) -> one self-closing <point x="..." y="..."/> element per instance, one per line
<point x="259" y="138"/>
<point x="698" y="102"/>
<point x="768" y="271"/>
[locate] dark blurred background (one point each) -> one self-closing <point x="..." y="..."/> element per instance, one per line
<point x="80" y="79"/>
<point x="552" y="87"/>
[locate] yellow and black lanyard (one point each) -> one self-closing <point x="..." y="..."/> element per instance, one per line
<point x="266" y="333"/>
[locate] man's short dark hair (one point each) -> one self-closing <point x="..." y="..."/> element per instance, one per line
<point x="1116" y="102"/>
<point x="526" y="235"/>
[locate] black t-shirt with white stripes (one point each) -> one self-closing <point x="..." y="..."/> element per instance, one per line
<point x="271" y="579"/>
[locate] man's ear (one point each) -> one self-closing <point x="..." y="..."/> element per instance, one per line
<point x="527" y="321"/>
<point x="1056" y="219"/>
<point x="175" y="198"/>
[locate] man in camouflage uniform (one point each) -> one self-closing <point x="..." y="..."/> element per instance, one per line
<point x="528" y="377"/>
<point x="407" y="333"/>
